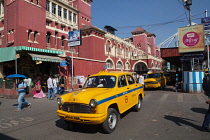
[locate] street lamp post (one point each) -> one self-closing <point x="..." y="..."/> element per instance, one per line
<point x="188" y="3"/>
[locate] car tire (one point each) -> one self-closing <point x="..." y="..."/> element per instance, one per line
<point x="137" y="107"/>
<point x="111" y="121"/>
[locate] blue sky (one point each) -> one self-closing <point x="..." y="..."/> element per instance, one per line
<point x="127" y="15"/>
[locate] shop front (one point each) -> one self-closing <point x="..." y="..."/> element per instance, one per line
<point x="33" y="62"/>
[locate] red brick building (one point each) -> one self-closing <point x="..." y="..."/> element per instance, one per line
<point x="34" y="39"/>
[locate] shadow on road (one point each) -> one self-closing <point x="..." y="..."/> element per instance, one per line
<point x="82" y="128"/>
<point x="157" y="89"/>
<point x="182" y="121"/>
<point x="199" y="110"/>
<point x="5" y="137"/>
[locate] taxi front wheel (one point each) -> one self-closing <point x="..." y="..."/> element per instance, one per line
<point x="137" y="107"/>
<point x="111" y="121"/>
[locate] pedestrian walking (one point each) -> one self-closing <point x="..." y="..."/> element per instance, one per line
<point x="21" y="88"/>
<point x="62" y="85"/>
<point x="206" y="88"/>
<point x="50" y="88"/>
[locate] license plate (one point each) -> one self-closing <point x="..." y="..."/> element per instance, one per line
<point x="75" y="118"/>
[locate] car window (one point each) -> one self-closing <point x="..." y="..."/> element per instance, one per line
<point x="122" y="81"/>
<point x="130" y="79"/>
<point x="100" y="82"/>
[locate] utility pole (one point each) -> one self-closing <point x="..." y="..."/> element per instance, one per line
<point x="207" y="41"/>
<point x="188" y="3"/>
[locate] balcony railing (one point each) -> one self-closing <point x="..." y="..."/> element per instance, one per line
<point x="139" y="57"/>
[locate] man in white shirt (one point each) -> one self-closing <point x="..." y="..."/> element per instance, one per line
<point x="54" y="86"/>
<point x="50" y="88"/>
<point x="141" y="79"/>
<point x="28" y="81"/>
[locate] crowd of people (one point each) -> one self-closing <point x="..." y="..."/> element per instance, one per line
<point x="55" y="85"/>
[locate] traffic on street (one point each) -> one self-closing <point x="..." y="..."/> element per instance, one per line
<point x="164" y="114"/>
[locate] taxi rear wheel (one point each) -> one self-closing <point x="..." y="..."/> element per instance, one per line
<point x="111" y="121"/>
<point x="137" y="107"/>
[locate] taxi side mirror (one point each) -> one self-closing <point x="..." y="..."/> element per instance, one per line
<point x="80" y="86"/>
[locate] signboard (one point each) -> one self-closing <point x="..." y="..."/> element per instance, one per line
<point x="63" y="63"/>
<point x="80" y="80"/>
<point x="191" y="39"/>
<point x="206" y="22"/>
<point x="74" y="38"/>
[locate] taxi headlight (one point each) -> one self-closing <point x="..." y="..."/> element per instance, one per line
<point x="93" y="103"/>
<point x="59" y="100"/>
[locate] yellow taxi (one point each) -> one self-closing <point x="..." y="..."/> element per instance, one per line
<point x="101" y="100"/>
<point x="155" y="80"/>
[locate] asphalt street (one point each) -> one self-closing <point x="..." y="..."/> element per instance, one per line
<point x="164" y="115"/>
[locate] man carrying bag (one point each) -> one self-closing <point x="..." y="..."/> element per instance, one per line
<point x="21" y="87"/>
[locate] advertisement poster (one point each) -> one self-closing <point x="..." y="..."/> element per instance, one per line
<point x="80" y="80"/>
<point x="74" y="38"/>
<point x="191" y="39"/>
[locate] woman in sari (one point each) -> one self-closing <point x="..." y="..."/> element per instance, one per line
<point x="38" y="93"/>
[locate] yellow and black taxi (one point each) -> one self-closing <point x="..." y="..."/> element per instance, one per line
<point x="101" y="100"/>
<point x="155" y="80"/>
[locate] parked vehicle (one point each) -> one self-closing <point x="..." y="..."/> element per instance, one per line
<point x="101" y="100"/>
<point x="155" y="80"/>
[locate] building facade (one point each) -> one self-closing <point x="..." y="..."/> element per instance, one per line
<point x="34" y="40"/>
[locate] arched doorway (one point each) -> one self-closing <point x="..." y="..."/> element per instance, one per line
<point x="140" y="67"/>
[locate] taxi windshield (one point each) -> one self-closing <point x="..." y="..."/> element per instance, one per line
<point x="105" y="81"/>
<point x="154" y="75"/>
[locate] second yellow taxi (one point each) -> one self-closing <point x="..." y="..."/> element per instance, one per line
<point x="155" y="80"/>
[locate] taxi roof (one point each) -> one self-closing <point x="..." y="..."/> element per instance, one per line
<point x="155" y="72"/>
<point x="116" y="73"/>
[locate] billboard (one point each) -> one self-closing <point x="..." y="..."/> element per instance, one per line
<point x="74" y="38"/>
<point x="191" y="39"/>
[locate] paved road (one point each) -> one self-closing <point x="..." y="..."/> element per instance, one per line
<point x="164" y="115"/>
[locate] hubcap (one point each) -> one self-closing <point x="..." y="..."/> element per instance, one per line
<point x="139" y="103"/>
<point x="112" y="120"/>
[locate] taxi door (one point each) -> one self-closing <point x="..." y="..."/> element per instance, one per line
<point x="133" y="90"/>
<point x="123" y="94"/>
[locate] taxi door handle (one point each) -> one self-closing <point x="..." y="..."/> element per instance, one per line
<point x="128" y="88"/>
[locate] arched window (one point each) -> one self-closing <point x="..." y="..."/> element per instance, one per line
<point x="48" y="37"/>
<point x="149" y="49"/>
<point x="62" y="40"/>
<point x="127" y="66"/>
<point x="35" y="36"/>
<point x="29" y="34"/>
<point x="109" y="64"/>
<point x="119" y="65"/>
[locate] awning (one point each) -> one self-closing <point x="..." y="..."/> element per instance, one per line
<point x="9" y="53"/>
<point x="45" y="58"/>
<point x="20" y="48"/>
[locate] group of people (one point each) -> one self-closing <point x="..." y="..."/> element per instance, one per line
<point x="54" y="86"/>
